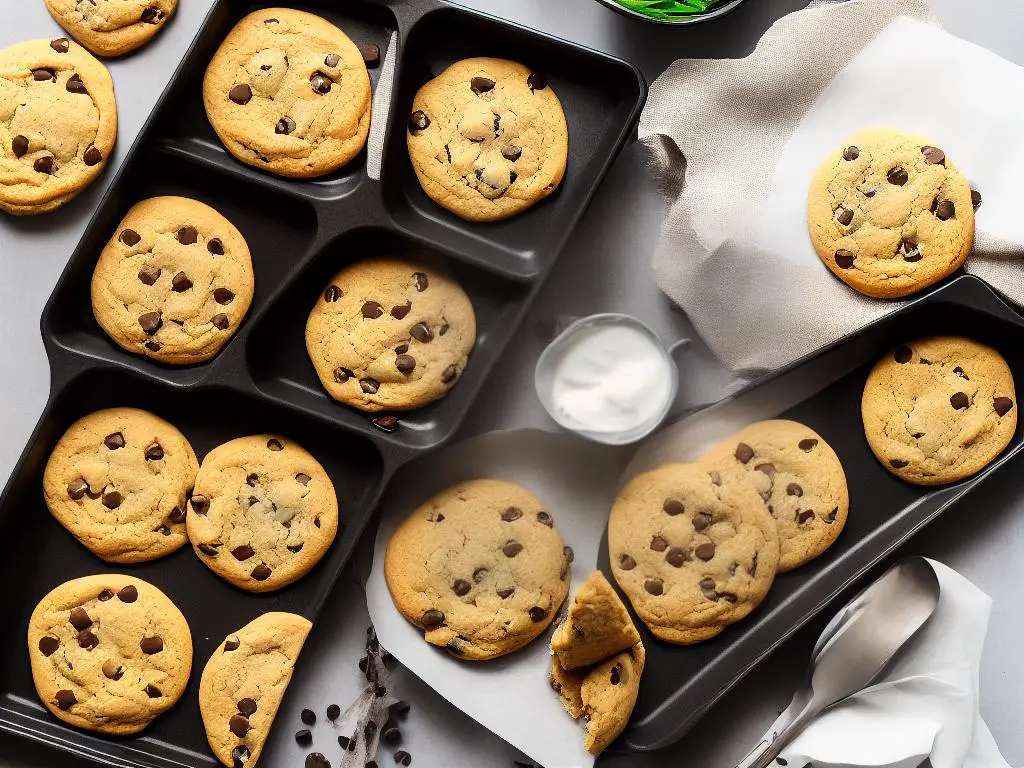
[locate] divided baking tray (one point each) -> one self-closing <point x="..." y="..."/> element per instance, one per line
<point x="300" y="233"/>
<point x="680" y="683"/>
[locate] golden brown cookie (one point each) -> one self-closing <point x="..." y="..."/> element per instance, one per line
<point x="596" y="627"/>
<point x="109" y="653"/>
<point x="487" y="138"/>
<point x="890" y="214"/>
<point x="939" y="409"/>
<point x="390" y="334"/>
<point x="288" y="92"/>
<point x="480" y="567"/>
<point x="58" y="123"/>
<point x="118" y="480"/>
<point x="263" y="512"/>
<point x="111" y="27"/>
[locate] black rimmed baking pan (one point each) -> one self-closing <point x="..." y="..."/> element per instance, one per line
<point x="680" y="683"/>
<point x="300" y="232"/>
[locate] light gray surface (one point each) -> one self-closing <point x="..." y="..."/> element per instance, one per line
<point x="606" y="267"/>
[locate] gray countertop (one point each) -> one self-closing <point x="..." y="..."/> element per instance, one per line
<point x="606" y="267"/>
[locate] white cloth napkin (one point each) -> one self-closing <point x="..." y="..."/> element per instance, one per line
<point x="926" y="705"/>
<point x="735" y="143"/>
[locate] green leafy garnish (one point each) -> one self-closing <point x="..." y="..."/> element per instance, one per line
<point x="668" y="10"/>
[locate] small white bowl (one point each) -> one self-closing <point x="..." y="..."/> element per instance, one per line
<point x="544" y="377"/>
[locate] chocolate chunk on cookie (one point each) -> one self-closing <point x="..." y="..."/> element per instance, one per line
<point x="939" y="409"/>
<point x="487" y="138"/>
<point x="118" y="480"/>
<point x="175" y="281"/>
<point x="798" y="476"/>
<point x="390" y="334"/>
<point x="690" y="573"/>
<point x="889" y="213"/>
<point x="111" y="27"/>
<point x="288" y="92"/>
<point x="244" y="682"/>
<point x="58" y="120"/>
<point x="263" y="512"/>
<point x="480" y="568"/>
<point x="596" y="627"/>
<point x="109" y="653"/>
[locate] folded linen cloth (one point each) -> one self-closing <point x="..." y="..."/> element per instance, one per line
<point x="734" y="144"/>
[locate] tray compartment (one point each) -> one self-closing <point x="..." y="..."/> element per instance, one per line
<point x="599" y="96"/>
<point x="276" y="243"/>
<point x="282" y="370"/>
<point x="47" y="555"/>
<point x="681" y="683"/>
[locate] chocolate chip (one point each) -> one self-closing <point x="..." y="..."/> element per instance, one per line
<point x="316" y="760"/>
<point x="512" y="152"/>
<point x="627" y="563"/>
<point x="333" y="712"/>
<point x="284" y="126"/>
<point x="911" y="251"/>
<point x="403" y="758"/>
<point x="151" y="645"/>
<point x="208" y="550"/>
<point x="432" y="618"/>
<point x="945" y="210"/>
<point x="112" y="670"/>
<point x="659" y="544"/>
<point x="654" y="586"/>
<point x="537" y="81"/>
<point x="902" y="354"/>
<point x="65" y="699"/>
<point x="261" y="572"/>
<point x="231" y="644"/>
<point x="701" y="521"/>
<point x="537" y="613"/>
<point x="332" y="293"/>
<point x="844" y="258"/>
<point x="369" y="386"/>
<point x="461" y="587"/>
<point x="545" y="519"/>
<point x="481" y="85"/>
<point x="77" y="489"/>
<point x="959" y="400"/>
<point x="418" y="121"/>
<point x="512" y="548"/>
<point x="705" y="551"/>
<point x="803" y="517"/>
<point x="200" y="504"/>
<point x="449" y="374"/>
<point x="19" y="145"/>
<point x="707" y="586"/>
<point x="130" y="237"/>
<point x="44" y="164"/>
<point x="48" y="645"/>
<point x="150" y="322"/>
<point x="343" y="742"/>
<point x="851" y="153"/>
<point x="405" y="363"/>
<point x="44" y="73"/>
<point x="75" y="84"/>
<point x="897" y="176"/>
<point x="569" y="554"/>
<point x="304" y="737"/>
<point x="897" y="463"/>
<point x="673" y="507"/>
<point x="92" y="156"/>
<point x="152" y="15"/>
<point x="676" y="557"/>
<point x="112" y="499"/>
<point x="386" y="423"/>
<point x="341" y="375"/>
<point x="1002" y="405"/>
<point x="794" y="490"/>
<point x="180" y="283"/>
<point x="223" y="295"/>
<point x="933" y="155"/>
<point x="844" y="216"/>
<point x="479" y="574"/>
<point x="215" y="246"/>
<point x="372" y="310"/>
<point x="239" y="725"/>
<point x="163" y="530"/>
<point x="960" y="372"/>
<point x="308" y="716"/>
<point x="60" y="45"/>
<point x="320" y="83"/>
<point x="975" y="199"/>
<point x="401" y="310"/>
<point x="220" y="321"/>
<point x="240" y="756"/>
<point x="244" y="552"/>
<point x="422" y="333"/>
<point x="240" y="94"/>
<point x="293" y="548"/>
<point x="87" y="640"/>
<point x="506" y="592"/>
<point x="392" y="735"/>
<point x="744" y="453"/>
<point x="511" y="514"/>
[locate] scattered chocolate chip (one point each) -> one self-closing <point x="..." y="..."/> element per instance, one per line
<point x="902" y="354"/>
<point x="479" y="574"/>
<point x="208" y="549"/>
<point x="284" y="126"/>
<point x="537" y="613"/>
<point x="844" y="258"/>
<point x="215" y="246"/>
<point x="112" y="670"/>
<point x="405" y="363"/>
<point x="676" y="557"/>
<point x="151" y="645"/>
<point x="180" y="283"/>
<point x="401" y="310"/>
<point x="673" y="507"/>
<point x="316" y="760"/>
<point x="293" y="548"/>
<point x="707" y="586"/>
<point x="343" y="742"/>
<point x="481" y="85"/>
<point x="627" y="563"/>
<point x="897" y="176"/>
<point x="545" y="519"/>
<point x="308" y="716"/>
<point x="705" y="551"/>
<point x="240" y="756"/>
<point x="341" y="375"/>
<point x="933" y="155"/>
<point x="960" y="372"/>
<point x="418" y="121"/>
<point x="231" y="644"/>
<point x="60" y="45"/>
<point x="261" y="572"/>
<point x="333" y="712"/>
<point x="831" y="516"/>
<point x="975" y="199"/>
<point x="752" y="570"/>
<point x="48" y="645"/>
<point x="153" y="692"/>
<point x="744" y="453"/>
<point x="223" y="295"/>
<point x="151" y="322"/>
<point x="19" y="145"/>
<point x="959" y="400"/>
<point x="911" y="251"/>
<point x="241" y="93"/>
<point x="244" y="552"/>
<point x="152" y="15"/>
<point x="422" y="333"/>
<point x="403" y="758"/>
<point x="654" y="586"/>
<point x="370" y="54"/>
<point x="44" y="73"/>
<point x="200" y="504"/>
<point x="844" y="216"/>
<point x="917" y="435"/>
<point x="851" y="153"/>
<point x="659" y="544"/>
<point x="304" y="737"/>
<point x="897" y="463"/>
<point x="92" y="156"/>
<point x="1002" y="405"/>
<point x="130" y="237"/>
<point x="369" y="386"/>
<point x="794" y="490"/>
<point x="448" y="374"/>
<point x="372" y="310"/>
<point x="461" y="587"/>
<point x="77" y="489"/>
<point x="65" y="699"/>
<point x="945" y="210"/>
<point x="220" y="321"/>
<point x="803" y="517"/>
<point x="388" y="423"/>
<point x="511" y="514"/>
<point x="87" y="640"/>
<point x="506" y="592"/>
<point x="274" y="444"/>
<point x="432" y="618"/>
<point x="75" y="84"/>
<point x="112" y="499"/>
<point x="537" y="81"/>
<point x="701" y="521"/>
<point x="320" y="83"/>
<point x="512" y="152"/>
<point x="512" y="548"/>
<point x="44" y="164"/>
<point x="392" y="735"/>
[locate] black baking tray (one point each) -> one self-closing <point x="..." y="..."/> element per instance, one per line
<point x="300" y="232"/>
<point x="680" y="683"/>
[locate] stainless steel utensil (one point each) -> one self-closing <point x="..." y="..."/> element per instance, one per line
<point x="856" y="646"/>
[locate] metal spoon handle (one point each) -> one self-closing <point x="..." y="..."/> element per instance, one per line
<point x="782" y="732"/>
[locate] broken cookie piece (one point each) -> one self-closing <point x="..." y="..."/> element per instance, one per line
<point x="597" y="626"/>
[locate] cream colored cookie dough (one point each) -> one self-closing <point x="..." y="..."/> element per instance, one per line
<point x="109" y="653"/>
<point x="118" y="480"/>
<point x="243" y="684"/>
<point x="175" y="281"/>
<point x="480" y="567"/>
<point x="800" y="479"/>
<point x="488" y="139"/>
<point x="58" y="123"/>
<point x="694" y="550"/>
<point x="939" y="409"/>
<point x="890" y="214"/>
<point x="596" y="627"/>
<point x="111" y="27"/>
<point x="390" y="334"/>
<point x="288" y="92"/>
<point x="263" y="512"/>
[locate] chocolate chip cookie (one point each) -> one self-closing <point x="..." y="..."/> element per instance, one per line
<point x="243" y="684"/>
<point x="480" y="567"/>
<point x="109" y="653"/>
<point x="263" y="512"/>
<point x="174" y="282"/>
<point x="288" y="92"/>
<point x="118" y="480"/>
<point x="596" y="627"/>
<point x="694" y="550"/>
<point x="800" y="479"/>
<point x="939" y="409"/>
<point x="111" y="27"/>
<point x="390" y="334"/>
<point x="890" y="214"/>
<point x="58" y="123"/>
<point x="604" y="695"/>
<point x="487" y="138"/>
